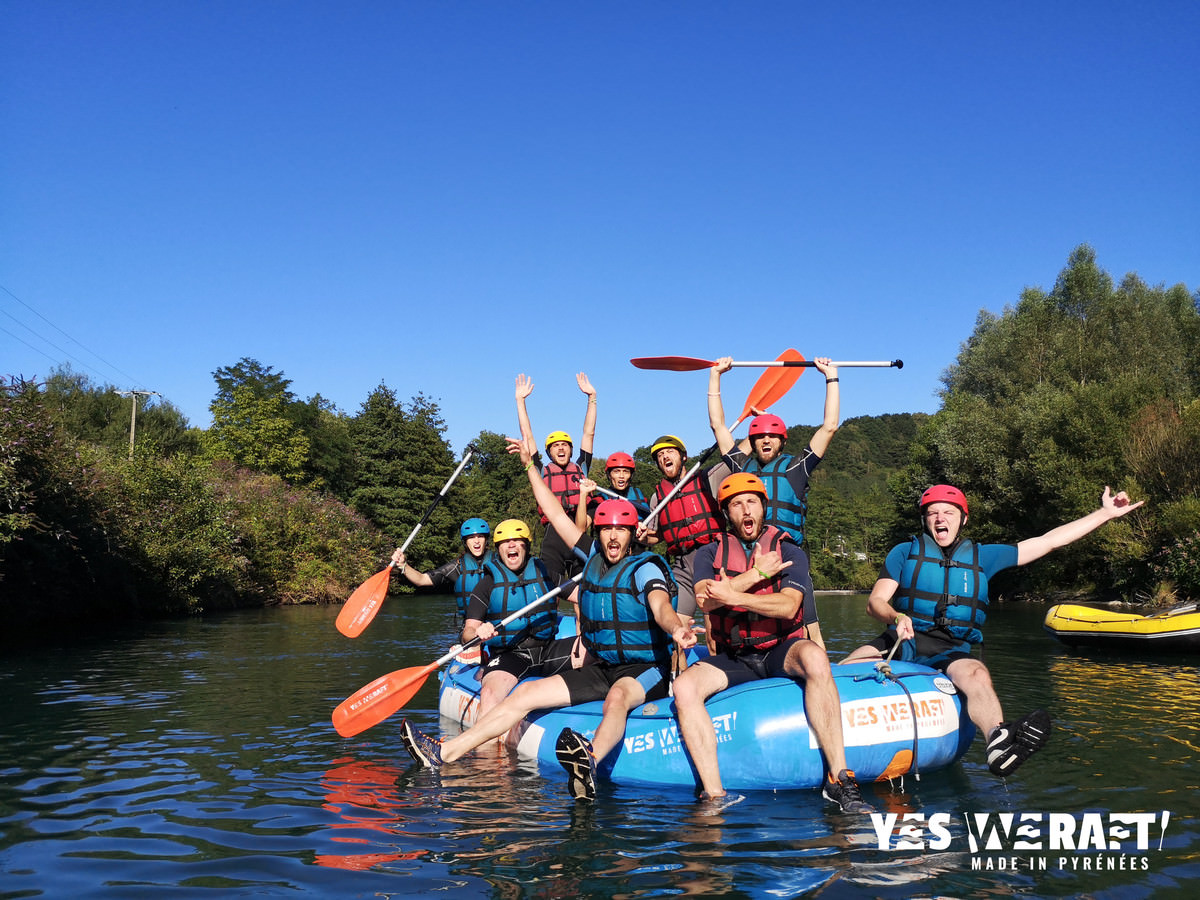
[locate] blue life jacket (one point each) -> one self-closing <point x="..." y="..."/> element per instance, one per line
<point x="785" y="509"/>
<point x="470" y="570"/>
<point x="513" y="590"/>
<point x="943" y="591"/>
<point x="616" y="624"/>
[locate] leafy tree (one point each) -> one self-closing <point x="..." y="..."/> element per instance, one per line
<point x="1040" y="407"/>
<point x="403" y="463"/>
<point x="253" y="429"/>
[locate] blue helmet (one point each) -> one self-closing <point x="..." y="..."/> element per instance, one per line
<point x="474" y="526"/>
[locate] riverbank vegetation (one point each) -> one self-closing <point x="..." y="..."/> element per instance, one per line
<point x="288" y="500"/>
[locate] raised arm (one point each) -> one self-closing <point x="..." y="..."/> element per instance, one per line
<point x="589" y="418"/>
<point x="716" y="408"/>
<point x="1111" y="507"/>
<point x="524" y="389"/>
<point x="586" y="486"/>
<point x="411" y="575"/>
<point x="833" y="404"/>
<point x="555" y="514"/>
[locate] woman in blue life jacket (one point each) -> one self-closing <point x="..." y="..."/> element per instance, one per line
<point x="460" y="575"/>
<point x="761" y="452"/>
<point x="627" y="623"/>
<point x="560" y="473"/>
<point x="512" y="579"/>
<point x="932" y="595"/>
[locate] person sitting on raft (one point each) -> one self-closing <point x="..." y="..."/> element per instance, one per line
<point x="754" y="586"/>
<point x="460" y="575"/>
<point x="560" y="473"/>
<point x="618" y="468"/>
<point x="512" y="579"/>
<point x="933" y="595"/>
<point x="627" y="622"/>
<point x="761" y="454"/>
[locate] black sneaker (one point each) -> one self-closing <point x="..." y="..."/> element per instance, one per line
<point x="1011" y="743"/>
<point x="574" y="753"/>
<point x="845" y="793"/>
<point x="712" y="806"/>
<point x="422" y="748"/>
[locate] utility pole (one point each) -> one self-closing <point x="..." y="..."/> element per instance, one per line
<point x="133" y="416"/>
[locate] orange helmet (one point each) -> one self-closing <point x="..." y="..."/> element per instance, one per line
<point x="740" y="483"/>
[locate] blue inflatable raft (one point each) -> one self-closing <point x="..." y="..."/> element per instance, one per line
<point x="913" y="722"/>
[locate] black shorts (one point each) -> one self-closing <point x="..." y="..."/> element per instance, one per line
<point x="532" y="657"/>
<point x="926" y="649"/>
<point x="592" y="681"/>
<point x="752" y="665"/>
<point x="560" y="559"/>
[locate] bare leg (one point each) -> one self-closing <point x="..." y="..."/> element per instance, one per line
<point x="544" y="693"/>
<point x="621" y="698"/>
<point x="972" y="678"/>
<point x="697" y="683"/>
<point x="808" y="663"/>
<point x="494" y="688"/>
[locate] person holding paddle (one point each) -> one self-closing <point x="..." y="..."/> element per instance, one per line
<point x="511" y="579"/>
<point x="560" y="473"/>
<point x="754" y="586"/>
<point x="459" y="576"/>
<point x="932" y="594"/>
<point x="761" y="453"/>
<point x="689" y="520"/>
<point x="627" y="622"/>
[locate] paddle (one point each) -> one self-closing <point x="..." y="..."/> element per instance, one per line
<point x="692" y="363"/>
<point x="360" y="609"/>
<point x="1175" y="611"/>
<point x="771" y="386"/>
<point x="372" y="703"/>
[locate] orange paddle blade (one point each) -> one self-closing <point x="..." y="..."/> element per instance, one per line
<point x="773" y="384"/>
<point x="360" y="609"/>
<point x="673" y="363"/>
<point x="372" y="703"/>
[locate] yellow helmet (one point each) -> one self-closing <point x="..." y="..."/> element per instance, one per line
<point x="512" y="528"/>
<point x="668" y="441"/>
<point x="555" y="436"/>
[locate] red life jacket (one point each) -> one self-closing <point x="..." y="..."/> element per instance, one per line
<point x="564" y="482"/>
<point x="735" y="628"/>
<point x="691" y="518"/>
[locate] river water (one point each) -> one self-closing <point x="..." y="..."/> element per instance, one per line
<point x="196" y="759"/>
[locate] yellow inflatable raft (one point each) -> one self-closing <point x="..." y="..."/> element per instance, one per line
<point x="1175" y="630"/>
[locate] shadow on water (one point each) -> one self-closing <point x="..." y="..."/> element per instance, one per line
<point x="196" y="758"/>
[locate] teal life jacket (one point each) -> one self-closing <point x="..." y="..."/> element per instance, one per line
<point x="785" y="508"/>
<point x="944" y="591"/>
<point x="470" y="570"/>
<point x="512" y="591"/>
<point x="616" y="624"/>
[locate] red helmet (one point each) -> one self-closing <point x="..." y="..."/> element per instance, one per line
<point x="767" y="424"/>
<point x="944" y="493"/>
<point x="619" y="460"/>
<point x="615" y="512"/>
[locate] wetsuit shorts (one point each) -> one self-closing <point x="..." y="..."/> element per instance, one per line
<point x="936" y="650"/>
<point x="592" y="681"/>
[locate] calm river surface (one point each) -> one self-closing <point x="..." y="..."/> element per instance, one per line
<point x="196" y="759"/>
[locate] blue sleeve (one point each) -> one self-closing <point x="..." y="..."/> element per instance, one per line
<point x="997" y="557"/>
<point x="893" y="566"/>
<point x="705" y="564"/>
<point x="648" y="576"/>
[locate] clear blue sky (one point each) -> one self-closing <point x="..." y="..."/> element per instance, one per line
<point x="438" y="196"/>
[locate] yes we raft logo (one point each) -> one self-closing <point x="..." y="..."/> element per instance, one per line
<point x="1032" y="841"/>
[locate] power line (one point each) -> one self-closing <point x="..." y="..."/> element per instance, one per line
<point x="70" y="337"/>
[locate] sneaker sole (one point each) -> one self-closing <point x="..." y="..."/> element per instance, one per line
<point x="573" y="755"/>
<point x="1029" y="735"/>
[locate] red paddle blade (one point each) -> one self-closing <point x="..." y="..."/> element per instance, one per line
<point x="673" y="363"/>
<point x="372" y="703"/>
<point x="360" y="609"/>
<point x="774" y="383"/>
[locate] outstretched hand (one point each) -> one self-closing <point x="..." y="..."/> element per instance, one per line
<point x="524" y="386"/>
<point x="768" y="563"/>
<point x="1117" y="504"/>
<point x="585" y="385"/>
<point x="522" y="447"/>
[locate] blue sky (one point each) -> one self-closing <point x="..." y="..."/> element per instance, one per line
<point x="439" y="196"/>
